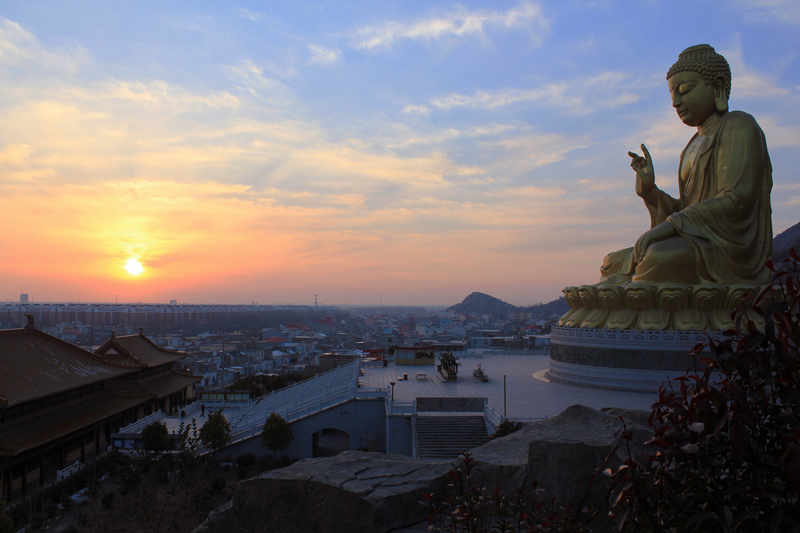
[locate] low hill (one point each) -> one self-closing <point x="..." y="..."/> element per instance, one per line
<point x="556" y="307"/>
<point x="478" y="304"/>
<point x="785" y="241"/>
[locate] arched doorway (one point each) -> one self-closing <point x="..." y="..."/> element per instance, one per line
<point x="330" y="441"/>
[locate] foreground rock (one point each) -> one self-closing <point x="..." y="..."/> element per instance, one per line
<point x="353" y="491"/>
<point x="374" y="492"/>
<point x="562" y="453"/>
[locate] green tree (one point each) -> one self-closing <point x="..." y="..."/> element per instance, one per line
<point x="155" y="437"/>
<point x="216" y="432"/>
<point x="277" y="433"/>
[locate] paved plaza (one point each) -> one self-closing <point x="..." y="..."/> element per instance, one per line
<point x="528" y="393"/>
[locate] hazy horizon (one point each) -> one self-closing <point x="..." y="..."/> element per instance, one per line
<point x="408" y="153"/>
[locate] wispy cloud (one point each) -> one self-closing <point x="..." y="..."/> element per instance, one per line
<point x="200" y="24"/>
<point x="243" y="12"/>
<point x="488" y="100"/>
<point x="412" y="109"/>
<point x="461" y="23"/>
<point x="322" y="55"/>
<point x="21" y="49"/>
<point x="254" y="79"/>
<point x="772" y="11"/>
<point x="521" y="155"/>
<point x="157" y="94"/>
<point x="608" y="89"/>
<point x="748" y="82"/>
<point x="664" y="135"/>
<point x="778" y="135"/>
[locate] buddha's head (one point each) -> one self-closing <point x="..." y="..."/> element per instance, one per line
<point x="700" y="84"/>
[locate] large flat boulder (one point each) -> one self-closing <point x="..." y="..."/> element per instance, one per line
<point x="373" y="492"/>
<point x="562" y="453"/>
<point x="353" y="491"/>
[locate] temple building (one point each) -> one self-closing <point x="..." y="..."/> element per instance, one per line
<point x="60" y="403"/>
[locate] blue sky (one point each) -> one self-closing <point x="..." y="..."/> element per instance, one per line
<point x="412" y="152"/>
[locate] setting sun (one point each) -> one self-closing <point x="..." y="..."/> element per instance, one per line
<point x="134" y="267"/>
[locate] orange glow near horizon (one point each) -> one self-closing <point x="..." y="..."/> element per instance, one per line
<point x="216" y="243"/>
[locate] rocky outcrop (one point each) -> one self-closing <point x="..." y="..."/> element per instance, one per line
<point x="353" y="491"/>
<point x="562" y="453"/>
<point x="373" y="492"/>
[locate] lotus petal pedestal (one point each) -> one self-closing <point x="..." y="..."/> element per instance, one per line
<point x="636" y="337"/>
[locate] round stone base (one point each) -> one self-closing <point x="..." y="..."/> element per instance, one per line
<point x="634" y="360"/>
<point x="609" y="378"/>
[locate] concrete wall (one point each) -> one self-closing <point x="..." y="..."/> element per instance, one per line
<point x="448" y="404"/>
<point x="363" y="420"/>
<point x="399" y="435"/>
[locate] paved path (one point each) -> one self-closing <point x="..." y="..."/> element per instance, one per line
<point x="528" y="393"/>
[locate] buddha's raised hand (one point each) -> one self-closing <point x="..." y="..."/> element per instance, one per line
<point x="645" y="173"/>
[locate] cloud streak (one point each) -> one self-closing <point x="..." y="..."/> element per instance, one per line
<point x="462" y="23"/>
<point x="20" y="49"/>
<point x="322" y="55"/>
<point x="608" y="89"/>
<point x="781" y="11"/>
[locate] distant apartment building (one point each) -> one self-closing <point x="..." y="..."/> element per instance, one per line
<point x="387" y="340"/>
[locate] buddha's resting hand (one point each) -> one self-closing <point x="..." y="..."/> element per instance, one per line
<point x="658" y="233"/>
<point x="645" y="173"/>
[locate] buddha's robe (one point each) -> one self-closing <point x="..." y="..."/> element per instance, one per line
<point x="723" y="217"/>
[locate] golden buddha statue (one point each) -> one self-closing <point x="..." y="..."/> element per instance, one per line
<point x="710" y="246"/>
<point x="719" y="230"/>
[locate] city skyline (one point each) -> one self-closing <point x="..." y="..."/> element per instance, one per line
<point x="405" y="154"/>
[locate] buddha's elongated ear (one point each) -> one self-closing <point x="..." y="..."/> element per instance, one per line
<point x="721" y="94"/>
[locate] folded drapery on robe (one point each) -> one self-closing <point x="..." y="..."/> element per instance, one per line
<point x="723" y="217"/>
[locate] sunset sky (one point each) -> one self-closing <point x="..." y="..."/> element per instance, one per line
<point x="406" y="152"/>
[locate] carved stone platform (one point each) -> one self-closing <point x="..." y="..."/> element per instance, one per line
<point x="650" y="306"/>
<point x="623" y="359"/>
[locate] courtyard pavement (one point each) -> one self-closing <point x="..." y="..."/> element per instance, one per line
<point x="528" y="393"/>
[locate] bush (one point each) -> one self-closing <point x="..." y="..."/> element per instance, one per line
<point x="506" y="427"/>
<point x="131" y="479"/>
<point x="107" y="500"/>
<point x="727" y="447"/>
<point x="241" y="471"/>
<point x="468" y="506"/>
<point x="66" y="502"/>
<point x="6" y="524"/>
<point x="155" y="437"/>
<point x="246" y="459"/>
<point x="217" y="485"/>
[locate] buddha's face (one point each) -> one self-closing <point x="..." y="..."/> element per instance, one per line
<point x="692" y="97"/>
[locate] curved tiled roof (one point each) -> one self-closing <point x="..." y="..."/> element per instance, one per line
<point x="136" y="350"/>
<point x="35" y="364"/>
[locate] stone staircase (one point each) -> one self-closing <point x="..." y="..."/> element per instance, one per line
<point x="440" y="437"/>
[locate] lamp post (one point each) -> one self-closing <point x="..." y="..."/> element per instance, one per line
<point x="392" y="384"/>
<point x="504" y="396"/>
